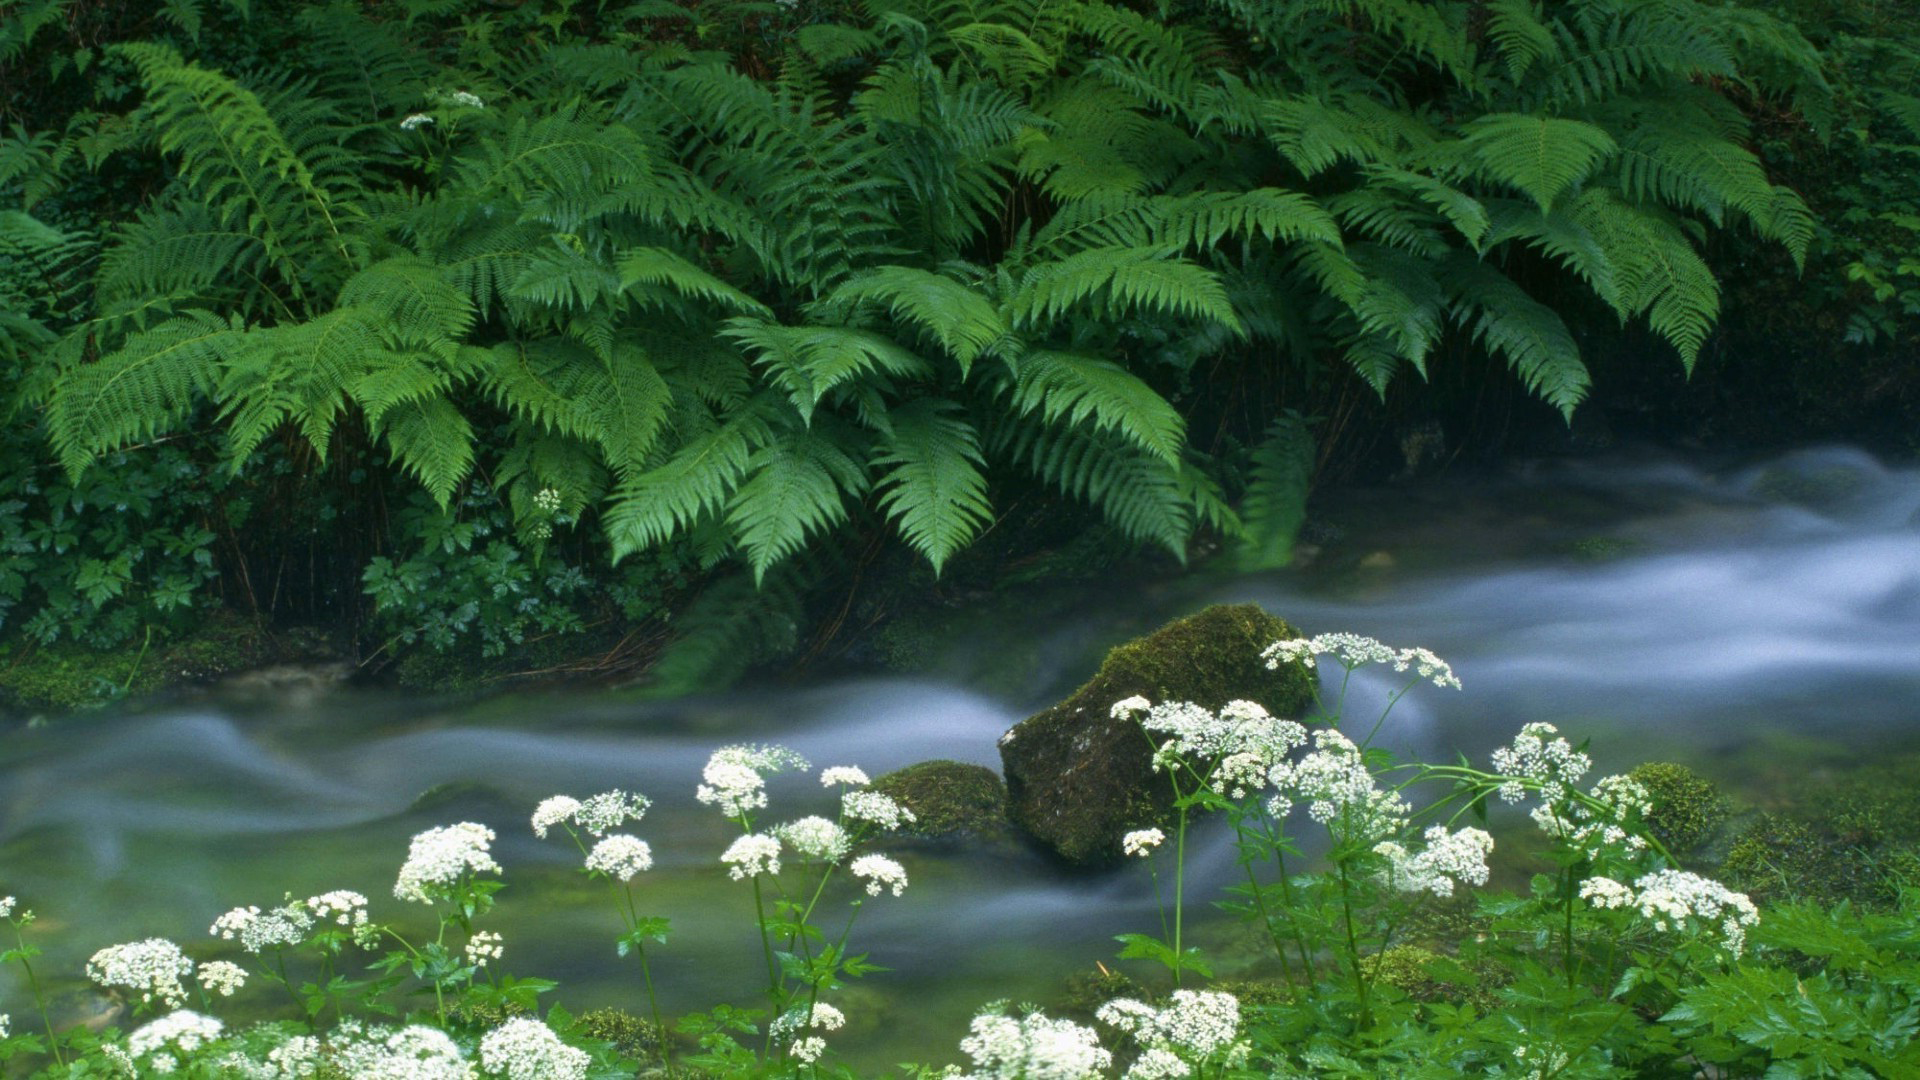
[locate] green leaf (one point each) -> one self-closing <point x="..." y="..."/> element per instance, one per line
<point x="933" y="488"/>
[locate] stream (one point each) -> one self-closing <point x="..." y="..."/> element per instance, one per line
<point x="1730" y="615"/>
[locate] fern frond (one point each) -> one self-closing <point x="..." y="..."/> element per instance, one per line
<point x="147" y="385"/>
<point x="1657" y="270"/>
<point x="1141" y="496"/>
<point x="806" y="362"/>
<point x="697" y="480"/>
<point x="1274" y="505"/>
<point x="933" y="488"/>
<point x="1085" y="390"/>
<point x="964" y="322"/>
<point x="433" y="441"/>
<point x="1541" y="156"/>
<point x="658" y="266"/>
<point x="1529" y="335"/>
<point x="1126" y="279"/>
<point x="795" y="487"/>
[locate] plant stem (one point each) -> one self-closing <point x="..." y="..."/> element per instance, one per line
<point x="39" y="999"/>
<point x="1179" y="893"/>
<point x="1353" y="949"/>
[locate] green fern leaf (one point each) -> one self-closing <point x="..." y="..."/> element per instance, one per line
<point x="933" y="489"/>
<point x="1275" y="503"/>
<point x="431" y="440"/>
<point x="1541" y="156"/>
<point x="960" y="319"/>
<point x="806" y="362"/>
<point x="795" y="488"/>
<point x="658" y="266"/>
<point x="699" y="479"/>
<point x="1085" y="390"/>
<point x="1134" y="278"/>
<point x="147" y="385"/>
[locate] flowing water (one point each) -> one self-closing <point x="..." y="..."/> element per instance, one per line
<point x="1731" y="616"/>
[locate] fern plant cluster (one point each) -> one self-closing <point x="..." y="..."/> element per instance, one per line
<point x="865" y="268"/>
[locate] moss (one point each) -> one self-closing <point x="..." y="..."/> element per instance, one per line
<point x="1086" y="991"/>
<point x="1688" y="809"/>
<point x="1257" y="993"/>
<point x="1077" y="779"/>
<point x="69" y="676"/>
<point x="1780" y="858"/>
<point x="1404" y="967"/>
<point x="948" y="799"/>
<point x="631" y="1036"/>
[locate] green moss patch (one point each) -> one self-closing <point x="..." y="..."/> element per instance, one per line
<point x="68" y="676"/>
<point x="949" y="799"/>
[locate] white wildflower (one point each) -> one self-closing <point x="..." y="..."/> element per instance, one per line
<point x="1158" y="1063"/>
<point x="4" y="1029"/>
<point x="1447" y="858"/>
<point x="553" y="810"/>
<point x="222" y="977"/>
<point x="417" y="120"/>
<point x="1335" y="782"/>
<point x="256" y="930"/>
<point x="1196" y="1023"/>
<point x="875" y="808"/>
<point x="439" y="857"/>
<point x="410" y="1053"/>
<point x="1541" y="756"/>
<point x="1126" y="707"/>
<point x="483" y="946"/>
<point x="1033" y="1047"/>
<point x="1604" y="892"/>
<point x="816" y="838"/>
<point x="620" y="856"/>
<point x="342" y="907"/>
<point x="153" y="968"/>
<point x="752" y="855"/>
<point x="1243" y="739"/>
<point x="788" y="1028"/>
<point x="526" y="1049"/>
<point x="849" y="775"/>
<point x="880" y="872"/>
<point x="1355" y="650"/>
<point x="6" y="907"/>
<point x="609" y="810"/>
<point x="185" y="1031"/>
<point x="1595" y="830"/>
<point x="471" y="101"/>
<point x="734" y="776"/>
<point x="547" y="499"/>
<point x="808" y="1050"/>
<point x="1141" y="842"/>
<point x="1678" y="900"/>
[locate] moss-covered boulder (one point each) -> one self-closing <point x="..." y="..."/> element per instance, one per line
<point x="1077" y="778"/>
<point x="1688" y="810"/>
<point x="950" y="800"/>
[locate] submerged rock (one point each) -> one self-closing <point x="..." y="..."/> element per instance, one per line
<point x="949" y="799"/>
<point x="1077" y="778"/>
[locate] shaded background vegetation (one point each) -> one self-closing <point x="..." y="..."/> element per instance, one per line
<point x="552" y="336"/>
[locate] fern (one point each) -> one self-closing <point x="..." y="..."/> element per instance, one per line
<point x="697" y="480"/>
<point x="795" y="487"/>
<point x="1083" y="390"/>
<point x="1541" y="156"/>
<point x="149" y="384"/>
<point x="964" y="322"/>
<point x="1275" y="503"/>
<point x="933" y="488"/>
<point x="1127" y="279"/>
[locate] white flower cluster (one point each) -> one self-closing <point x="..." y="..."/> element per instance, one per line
<point x="222" y="977"/>
<point x="1243" y="740"/>
<point x="1447" y="858"/>
<point x="816" y="838"/>
<point x="153" y="968"/>
<point x="256" y="930"/>
<point x="880" y="872"/>
<point x="342" y="907"/>
<point x="1334" y="782"/>
<point x="1196" y="1026"/>
<point x="1621" y="801"/>
<point x="1539" y="754"/>
<point x="547" y="499"/>
<point x="526" y="1049"/>
<point x="752" y="855"/>
<point x="6" y="907"/>
<point x="438" y="857"/>
<point x="1141" y="842"/>
<point x="1033" y="1047"/>
<point x="408" y="1053"/>
<point x="734" y="776"/>
<point x="788" y="1026"/>
<point x="1354" y="650"/>
<point x="483" y="946"/>
<point x="847" y="775"/>
<point x="598" y="815"/>
<point x="553" y="810"/>
<point x="415" y="120"/>
<point x="184" y="1031"/>
<point x="620" y="856"/>
<point x="876" y="809"/>
<point x="1677" y="900"/>
<point x="5" y="1020"/>
<point x="1604" y="892"/>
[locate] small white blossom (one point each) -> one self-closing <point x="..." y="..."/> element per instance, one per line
<point x="1678" y="900"/>
<point x="1243" y="740"/>
<point x="1033" y="1047"/>
<point x="752" y="855"/>
<point x="471" y="101"/>
<point x="342" y="907"/>
<point x="1604" y="892"/>
<point x="185" y="1031"/>
<point x="609" y="810"/>
<point x="1198" y="1024"/>
<point x="6" y="907"/>
<point x="816" y="838"/>
<point x="1126" y="707"/>
<point x="1541" y="756"/>
<point x="553" y="810"/>
<point x="410" y="1053"/>
<point x="417" y="120"/>
<point x="547" y="499"/>
<point x="788" y="1028"/>
<point x="1355" y="650"/>
<point x="526" y="1049"/>
<point x="1447" y="858"/>
<point x="620" y="856"/>
<point x="1141" y="842"/>
<point x="875" y="808"/>
<point x="849" y="775"/>
<point x="153" y="968"/>
<point x="222" y="977"/>
<point x="483" y="946"/>
<point x="734" y="779"/>
<point x="880" y="872"/>
<point x="439" y="857"/>
<point x="1335" y="782"/>
<point x="256" y="930"/>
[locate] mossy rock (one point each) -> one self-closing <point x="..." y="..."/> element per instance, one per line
<point x="1688" y="809"/>
<point x="1779" y="858"/>
<point x="1077" y="778"/>
<point x="70" y="676"/>
<point x="1086" y="991"/>
<point x="950" y="800"/>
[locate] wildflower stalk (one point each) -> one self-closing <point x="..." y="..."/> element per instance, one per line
<point x="22" y="953"/>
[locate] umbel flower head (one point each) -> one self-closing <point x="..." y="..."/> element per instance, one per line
<point x="1032" y="1047"/>
<point x="880" y="872"/>
<point x="1446" y="858"/>
<point x="1355" y="650"/>
<point x="620" y="856"/>
<point x="752" y="855"/>
<point x="1195" y="1025"/>
<point x="184" y="1031"/>
<point x="439" y="857"/>
<point x="1243" y="741"/>
<point x="526" y="1049"/>
<point x="152" y="968"/>
<point x="735" y="776"/>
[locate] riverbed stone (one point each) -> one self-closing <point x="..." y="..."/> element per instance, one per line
<point x="950" y="800"/>
<point x="1077" y="778"/>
